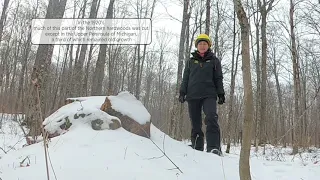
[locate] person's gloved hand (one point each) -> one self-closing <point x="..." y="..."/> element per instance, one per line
<point x="222" y="99"/>
<point x="182" y="98"/>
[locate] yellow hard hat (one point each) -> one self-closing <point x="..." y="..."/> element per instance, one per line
<point x="203" y="37"/>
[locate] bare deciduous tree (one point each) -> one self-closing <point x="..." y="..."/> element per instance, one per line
<point x="296" y="77"/>
<point x="176" y="114"/>
<point x="244" y="165"/>
<point x="98" y="74"/>
<point x="234" y="69"/>
<point x="37" y="87"/>
<point x="265" y="8"/>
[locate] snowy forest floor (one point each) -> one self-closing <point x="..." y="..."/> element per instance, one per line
<point x="83" y="153"/>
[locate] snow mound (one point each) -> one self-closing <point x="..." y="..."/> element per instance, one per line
<point x="84" y="110"/>
<point x="78" y="113"/>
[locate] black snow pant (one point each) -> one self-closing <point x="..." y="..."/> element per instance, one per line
<point x="209" y="106"/>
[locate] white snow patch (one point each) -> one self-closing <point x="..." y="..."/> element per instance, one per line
<point x="128" y="105"/>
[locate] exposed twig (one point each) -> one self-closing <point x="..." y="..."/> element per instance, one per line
<point x="162" y="151"/>
<point x="172" y="168"/>
<point x="155" y="157"/>
<point x="3" y="150"/>
<point x="171" y="16"/>
<point x="42" y="129"/>
<point x="20" y="122"/>
<point x="11" y="147"/>
<point x="24" y="160"/>
<point x="55" y="176"/>
<point x="164" y="154"/>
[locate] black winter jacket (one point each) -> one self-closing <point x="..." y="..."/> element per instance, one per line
<point x="202" y="77"/>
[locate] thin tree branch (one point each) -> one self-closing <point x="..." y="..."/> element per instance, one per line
<point x="3" y="150"/>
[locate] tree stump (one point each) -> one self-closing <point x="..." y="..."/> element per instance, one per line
<point x="127" y="122"/>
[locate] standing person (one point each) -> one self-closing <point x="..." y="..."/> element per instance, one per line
<point x="202" y="83"/>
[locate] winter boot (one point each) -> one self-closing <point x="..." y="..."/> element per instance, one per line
<point x="197" y="143"/>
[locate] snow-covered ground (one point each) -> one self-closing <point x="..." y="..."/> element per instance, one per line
<point x="11" y="136"/>
<point x="310" y="156"/>
<point x="83" y="153"/>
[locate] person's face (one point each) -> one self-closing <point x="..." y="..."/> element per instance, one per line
<point x="203" y="46"/>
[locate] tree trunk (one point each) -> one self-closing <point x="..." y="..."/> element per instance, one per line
<point x="296" y="77"/>
<point x="23" y="69"/>
<point x="176" y="113"/>
<point x="56" y="83"/>
<point x="317" y="131"/>
<point x="7" y="69"/>
<point x="20" y="94"/>
<point x="2" y="20"/>
<point x="263" y="107"/>
<point x="244" y="164"/>
<point x="113" y="54"/>
<point x="70" y="72"/>
<point x="64" y="78"/>
<point x="86" y="76"/>
<point x="279" y="95"/>
<point x="233" y="80"/>
<point x="303" y="104"/>
<point x="78" y="69"/>
<point x="138" y="82"/>
<point x="258" y="92"/>
<point x="207" y="30"/>
<point x="98" y="74"/>
<point x="13" y="79"/>
<point x="216" y="37"/>
<point x="39" y="74"/>
<point x="149" y="79"/>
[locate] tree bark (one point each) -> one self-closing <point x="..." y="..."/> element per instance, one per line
<point x="138" y="82"/>
<point x="98" y="74"/>
<point x="296" y="77"/>
<point x="244" y="164"/>
<point x="263" y="107"/>
<point x="78" y="67"/>
<point x="216" y="37"/>
<point x="2" y="20"/>
<point x="39" y="74"/>
<point x="303" y="104"/>
<point x="279" y="95"/>
<point x="234" y="68"/>
<point x="258" y="91"/>
<point x="207" y="30"/>
<point x="86" y="76"/>
<point x="176" y="113"/>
